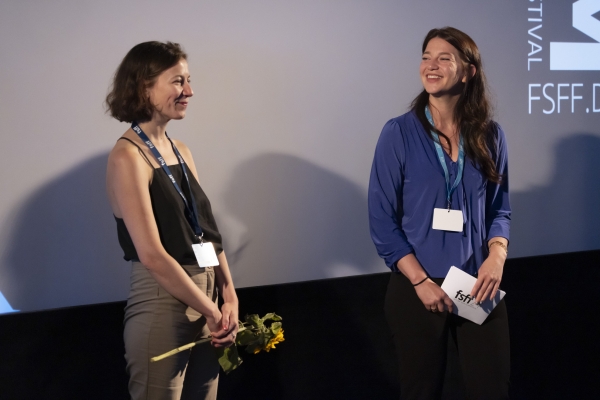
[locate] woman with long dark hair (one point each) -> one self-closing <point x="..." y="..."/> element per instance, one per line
<point x="445" y="153"/>
<point x="167" y="230"/>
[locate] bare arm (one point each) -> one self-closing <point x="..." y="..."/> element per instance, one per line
<point x="128" y="177"/>
<point x="430" y="293"/>
<point x="490" y="272"/>
<point x="223" y="276"/>
<point x="498" y="213"/>
<point x="230" y="302"/>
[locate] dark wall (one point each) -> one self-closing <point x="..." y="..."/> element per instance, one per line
<point x="337" y="345"/>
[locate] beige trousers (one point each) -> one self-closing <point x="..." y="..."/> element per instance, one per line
<point x="156" y="322"/>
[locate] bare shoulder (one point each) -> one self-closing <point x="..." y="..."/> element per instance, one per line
<point x="128" y="174"/>
<point x="186" y="153"/>
<point x="123" y="153"/>
<point x="183" y="148"/>
<point x="126" y="155"/>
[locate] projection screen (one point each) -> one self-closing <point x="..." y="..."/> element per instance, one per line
<point x="290" y="98"/>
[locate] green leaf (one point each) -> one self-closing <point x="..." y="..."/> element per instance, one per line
<point x="244" y="338"/>
<point x="275" y="327"/>
<point x="251" y="348"/>
<point x="267" y="317"/>
<point x="255" y="334"/>
<point x="228" y="358"/>
<point x="254" y="320"/>
<point x="271" y="317"/>
<point x="276" y="317"/>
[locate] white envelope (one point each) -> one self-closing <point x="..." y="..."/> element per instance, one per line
<point x="458" y="285"/>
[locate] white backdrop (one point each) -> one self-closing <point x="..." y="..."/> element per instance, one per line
<point x="289" y="101"/>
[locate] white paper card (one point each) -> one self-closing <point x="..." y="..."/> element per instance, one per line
<point x="447" y="220"/>
<point x="205" y="254"/>
<point x="458" y="285"/>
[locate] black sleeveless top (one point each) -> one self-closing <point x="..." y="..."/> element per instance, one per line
<point x="176" y="234"/>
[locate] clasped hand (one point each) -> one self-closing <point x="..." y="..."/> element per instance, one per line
<point x="224" y="329"/>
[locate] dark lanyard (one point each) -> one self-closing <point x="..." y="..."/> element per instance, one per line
<point x="191" y="213"/>
<point x="440" y="154"/>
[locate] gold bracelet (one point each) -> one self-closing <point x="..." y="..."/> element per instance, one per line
<point x="499" y="243"/>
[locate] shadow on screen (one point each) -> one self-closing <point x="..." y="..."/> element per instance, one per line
<point x="62" y="247"/>
<point x="303" y="222"/>
<point x="563" y="216"/>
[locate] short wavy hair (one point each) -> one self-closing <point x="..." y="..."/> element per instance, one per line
<point x="127" y="100"/>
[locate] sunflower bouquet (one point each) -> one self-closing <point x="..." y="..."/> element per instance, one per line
<point x="256" y="333"/>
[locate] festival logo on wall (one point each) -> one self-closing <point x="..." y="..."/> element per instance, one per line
<point x="557" y="97"/>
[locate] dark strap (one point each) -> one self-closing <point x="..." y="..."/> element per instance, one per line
<point x="140" y="149"/>
<point x="191" y="211"/>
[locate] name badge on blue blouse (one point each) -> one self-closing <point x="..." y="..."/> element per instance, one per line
<point x="445" y="219"/>
<point x="205" y="254"/>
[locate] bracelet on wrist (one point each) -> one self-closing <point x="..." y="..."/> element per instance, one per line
<point x="417" y="284"/>
<point x="499" y="243"/>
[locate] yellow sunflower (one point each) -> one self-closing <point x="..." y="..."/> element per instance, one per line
<point x="277" y="339"/>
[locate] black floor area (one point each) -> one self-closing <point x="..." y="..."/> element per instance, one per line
<point x="337" y="345"/>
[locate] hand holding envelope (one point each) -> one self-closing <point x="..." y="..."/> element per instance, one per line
<point x="458" y="285"/>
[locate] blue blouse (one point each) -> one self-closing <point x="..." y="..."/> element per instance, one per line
<point x="407" y="182"/>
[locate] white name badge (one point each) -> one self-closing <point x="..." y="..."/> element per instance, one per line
<point x="205" y="254"/>
<point x="447" y="220"/>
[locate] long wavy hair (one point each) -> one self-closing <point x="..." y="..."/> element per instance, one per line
<point x="472" y="113"/>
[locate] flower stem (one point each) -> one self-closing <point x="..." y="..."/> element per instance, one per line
<point x="179" y="349"/>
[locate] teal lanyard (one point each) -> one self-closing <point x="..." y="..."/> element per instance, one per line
<point x="440" y="154"/>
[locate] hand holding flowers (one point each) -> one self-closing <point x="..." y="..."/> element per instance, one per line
<point x="255" y="333"/>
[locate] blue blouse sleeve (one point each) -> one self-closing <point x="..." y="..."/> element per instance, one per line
<point x="385" y="196"/>
<point x="497" y="219"/>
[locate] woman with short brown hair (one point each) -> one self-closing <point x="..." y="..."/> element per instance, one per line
<point x="167" y="230"/>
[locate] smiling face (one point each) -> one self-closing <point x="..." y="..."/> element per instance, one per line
<point x="443" y="73"/>
<point x="170" y="92"/>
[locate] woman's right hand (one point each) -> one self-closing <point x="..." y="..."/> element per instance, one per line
<point x="214" y="321"/>
<point x="221" y="337"/>
<point x="433" y="297"/>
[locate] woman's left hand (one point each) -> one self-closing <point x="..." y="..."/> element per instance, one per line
<point x="226" y="336"/>
<point x="489" y="276"/>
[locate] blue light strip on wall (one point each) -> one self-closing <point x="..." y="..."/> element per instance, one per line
<point x="4" y="306"/>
